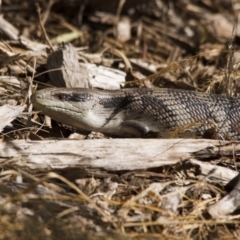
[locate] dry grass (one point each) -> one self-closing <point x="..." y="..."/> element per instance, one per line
<point x="180" y="45"/>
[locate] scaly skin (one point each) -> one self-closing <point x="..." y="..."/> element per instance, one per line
<point x="140" y="111"/>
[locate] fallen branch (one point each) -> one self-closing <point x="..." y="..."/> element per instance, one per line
<point x="119" y="154"/>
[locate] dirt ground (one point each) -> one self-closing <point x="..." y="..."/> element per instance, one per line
<point x="185" y="44"/>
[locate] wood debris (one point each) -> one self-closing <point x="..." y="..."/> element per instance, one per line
<point x="52" y="186"/>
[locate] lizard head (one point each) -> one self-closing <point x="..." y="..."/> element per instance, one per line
<point x="69" y="106"/>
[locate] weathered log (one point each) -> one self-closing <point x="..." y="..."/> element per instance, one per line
<point x="119" y="154"/>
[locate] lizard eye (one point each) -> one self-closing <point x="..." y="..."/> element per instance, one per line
<point x="61" y="96"/>
<point x="73" y="97"/>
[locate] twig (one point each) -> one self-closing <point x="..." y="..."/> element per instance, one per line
<point x="120" y="6"/>
<point x="42" y="27"/>
<point x="49" y="6"/>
